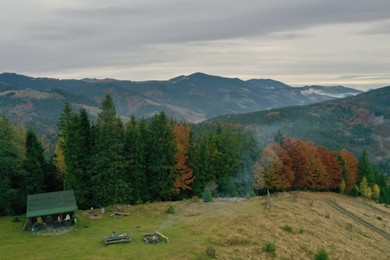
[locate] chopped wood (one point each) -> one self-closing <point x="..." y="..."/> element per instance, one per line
<point x="117" y="213"/>
<point x="161" y="235"/>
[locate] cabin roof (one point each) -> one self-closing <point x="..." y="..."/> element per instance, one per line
<point x="50" y="203"/>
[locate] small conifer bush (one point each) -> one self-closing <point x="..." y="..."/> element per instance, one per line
<point x="269" y="247"/>
<point x="170" y="210"/>
<point x="287" y="228"/>
<point x="321" y="254"/>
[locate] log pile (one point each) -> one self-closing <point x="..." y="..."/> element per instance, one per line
<point x="154" y="238"/>
<point x="117" y="214"/>
<point x="117" y="239"/>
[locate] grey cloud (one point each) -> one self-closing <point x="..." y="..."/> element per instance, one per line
<point x="54" y="35"/>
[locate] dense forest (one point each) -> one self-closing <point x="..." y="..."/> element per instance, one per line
<point x="107" y="162"/>
<point x="293" y="164"/>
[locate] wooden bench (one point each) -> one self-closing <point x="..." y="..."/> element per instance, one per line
<point x="117" y="239"/>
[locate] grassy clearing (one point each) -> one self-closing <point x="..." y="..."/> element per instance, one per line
<point x="234" y="228"/>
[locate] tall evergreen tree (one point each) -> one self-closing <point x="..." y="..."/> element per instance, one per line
<point x="76" y="147"/>
<point x="365" y="168"/>
<point x="10" y="169"/>
<point x="161" y="157"/>
<point x="108" y="177"/>
<point x="34" y="165"/>
<point x="134" y="152"/>
<point x="200" y="163"/>
<point x="12" y="195"/>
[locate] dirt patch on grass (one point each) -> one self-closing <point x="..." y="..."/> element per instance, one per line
<point x="93" y="214"/>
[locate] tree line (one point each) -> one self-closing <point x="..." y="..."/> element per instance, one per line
<point x="107" y="162"/>
<point x="294" y="164"/>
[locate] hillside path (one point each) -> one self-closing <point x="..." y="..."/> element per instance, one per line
<point x="357" y="219"/>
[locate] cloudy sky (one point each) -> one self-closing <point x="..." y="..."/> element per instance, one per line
<point x="295" y="41"/>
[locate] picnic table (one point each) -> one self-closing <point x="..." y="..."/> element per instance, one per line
<point x="116" y="239"/>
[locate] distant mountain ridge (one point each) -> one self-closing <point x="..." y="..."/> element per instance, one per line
<point x="38" y="102"/>
<point x="356" y="123"/>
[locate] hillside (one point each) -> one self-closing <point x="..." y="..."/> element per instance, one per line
<point x="348" y="228"/>
<point x="356" y="123"/>
<point x="38" y="102"/>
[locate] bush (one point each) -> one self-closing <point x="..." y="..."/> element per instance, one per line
<point x="287" y="228"/>
<point x="210" y="251"/>
<point x="321" y="254"/>
<point x="170" y="210"/>
<point x="355" y="191"/>
<point x="269" y="247"/>
<point x="16" y="219"/>
<point x="207" y="195"/>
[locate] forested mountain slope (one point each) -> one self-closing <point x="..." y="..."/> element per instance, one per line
<point x="38" y="102"/>
<point x="356" y="123"/>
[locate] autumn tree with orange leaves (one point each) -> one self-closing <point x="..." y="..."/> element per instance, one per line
<point x="185" y="175"/>
<point x="351" y="167"/>
<point x="334" y="170"/>
<point x="300" y="165"/>
<point x="277" y="168"/>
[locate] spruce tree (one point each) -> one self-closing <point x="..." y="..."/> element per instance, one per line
<point x="108" y="172"/>
<point x="34" y="165"/>
<point x="134" y="151"/>
<point x="365" y="169"/>
<point x="161" y="157"/>
<point x="11" y="172"/>
<point x="200" y="163"/>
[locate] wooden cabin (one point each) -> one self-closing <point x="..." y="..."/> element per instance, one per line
<point x="52" y="209"/>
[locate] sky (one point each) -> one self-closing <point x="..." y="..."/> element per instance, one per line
<point x="298" y="42"/>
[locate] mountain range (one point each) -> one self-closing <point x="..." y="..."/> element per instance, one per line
<point x="356" y="123"/>
<point x="38" y="102"/>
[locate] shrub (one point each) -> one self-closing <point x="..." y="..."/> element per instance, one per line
<point x="210" y="251"/>
<point x="207" y="195"/>
<point x="269" y="247"/>
<point x="170" y="210"/>
<point x="342" y="187"/>
<point x="287" y="228"/>
<point x="15" y="219"/>
<point x="301" y="230"/>
<point x="321" y="254"/>
<point x="355" y="191"/>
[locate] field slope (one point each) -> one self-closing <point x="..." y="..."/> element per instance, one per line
<point x="348" y="228"/>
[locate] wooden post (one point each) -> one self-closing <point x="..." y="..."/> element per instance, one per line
<point x="268" y="200"/>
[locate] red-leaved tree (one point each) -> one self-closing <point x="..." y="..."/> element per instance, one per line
<point x="185" y="175"/>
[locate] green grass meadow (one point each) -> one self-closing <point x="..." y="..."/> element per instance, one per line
<point x="84" y="241"/>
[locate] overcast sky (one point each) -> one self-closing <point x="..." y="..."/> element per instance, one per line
<point x="299" y="42"/>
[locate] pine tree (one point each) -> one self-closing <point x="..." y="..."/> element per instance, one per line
<point x="11" y="172"/>
<point x="343" y="169"/>
<point x="34" y="165"/>
<point x="355" y="191"/>
<point x="198" y="160"/>
<point x="161" y="157"/>
<point x="108" y="173"/>
<point x="134" y="152"/>
<point x="365" y="169"/>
